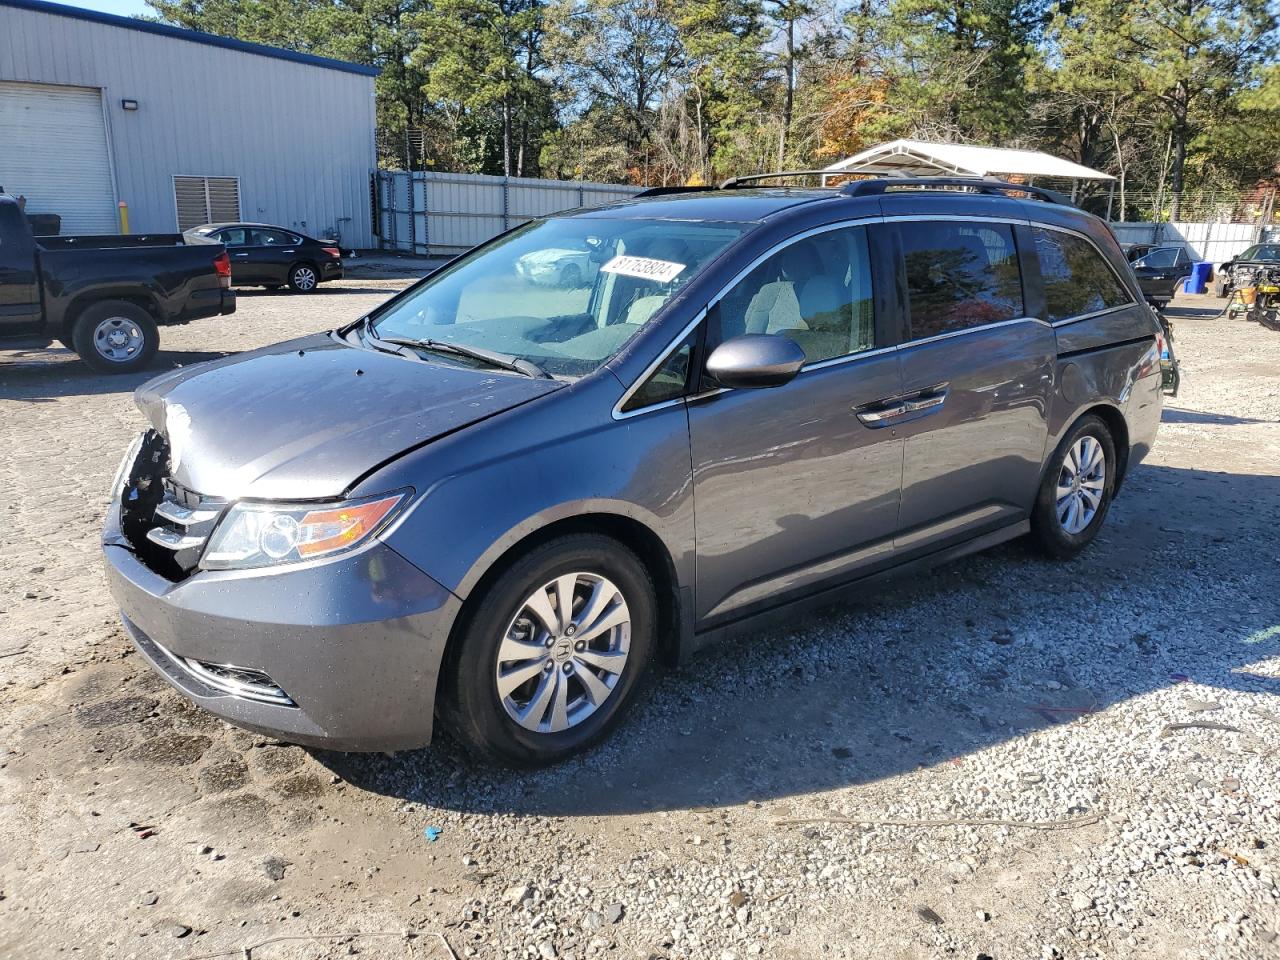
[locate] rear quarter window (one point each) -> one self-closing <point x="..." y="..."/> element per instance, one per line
<point x="1077" y="280"/>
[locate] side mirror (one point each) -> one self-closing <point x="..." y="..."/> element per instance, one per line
<point x="755" y="360"/>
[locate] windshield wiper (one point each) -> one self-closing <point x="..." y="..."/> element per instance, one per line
<point x="504" y="361"/>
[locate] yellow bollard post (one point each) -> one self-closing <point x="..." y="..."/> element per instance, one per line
<point x="124" y="217"/>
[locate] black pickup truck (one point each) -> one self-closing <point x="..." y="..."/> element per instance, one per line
<point x="105" y="297"/>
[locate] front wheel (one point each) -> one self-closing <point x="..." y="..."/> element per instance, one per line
<point x="552" y="653"/>
<point x="303" y="278"/>
<point x="115" y="336"/>
<point x="1076" y="491"/>
<point x="571" y="277"/>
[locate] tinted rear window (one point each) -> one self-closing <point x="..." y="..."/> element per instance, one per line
<point x="959" y="275"/>
<point x="1077" y="280"/>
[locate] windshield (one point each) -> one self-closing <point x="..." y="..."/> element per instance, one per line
<point x="564" y="294"/>
<point x="1261" y="251"/>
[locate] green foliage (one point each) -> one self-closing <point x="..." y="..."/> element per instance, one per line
<point x="958" y="70"/>
<point x="1169" y="95"/>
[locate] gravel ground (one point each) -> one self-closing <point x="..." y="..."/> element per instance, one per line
<point x="1008" y="758"/>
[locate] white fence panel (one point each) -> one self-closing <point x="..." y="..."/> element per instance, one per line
<point x="447" y="213"/>
<point x="1214" y="242"/>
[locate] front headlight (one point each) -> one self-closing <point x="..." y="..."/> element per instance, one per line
<point x="264" y="534"/>
<point x="122" y="471"/>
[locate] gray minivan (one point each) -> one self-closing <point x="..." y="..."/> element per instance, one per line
<point x="495" y="499"/>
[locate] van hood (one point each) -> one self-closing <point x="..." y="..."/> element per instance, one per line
<point x="307" y="418"/>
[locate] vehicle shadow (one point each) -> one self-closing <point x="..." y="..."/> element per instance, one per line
<point x="324" y="290"/>
<point x="919" y="672"/>
<point x="1173" y="415"/>
<point x="1185" y="311"/>
<point x="43" y="375"/>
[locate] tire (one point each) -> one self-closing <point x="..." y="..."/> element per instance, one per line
<point x="472" y="703"/>
<point x="304" y="278"/>
<point x="1060" y="533"/>
<point x="570" y="276"/>
<point x="115" y="336"/>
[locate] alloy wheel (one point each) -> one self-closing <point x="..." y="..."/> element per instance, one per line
<point x="1081" y="484"/>
<point x="304" y="278"/>
<point x="564" y="652"/>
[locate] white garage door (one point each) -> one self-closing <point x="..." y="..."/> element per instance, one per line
<point x="53" y="151"/>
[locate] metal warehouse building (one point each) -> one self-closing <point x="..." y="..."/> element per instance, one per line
<point x="183" y="127"/>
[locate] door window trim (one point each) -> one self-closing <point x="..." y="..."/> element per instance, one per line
<point x="619" y="414"/>
<point x="1030" y="224"/>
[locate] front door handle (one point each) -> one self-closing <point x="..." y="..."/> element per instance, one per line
<point x="241" y="254"/>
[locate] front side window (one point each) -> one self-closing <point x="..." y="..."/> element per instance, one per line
<point x="817" y="291"/>
<point x="565" y="294"/>
<point x="667" y="382"/>
<point x="235" y="237"/>
<point x="1077" y="280"/>
<point x="959" y="275"/>
<point x="1161" y="258"/>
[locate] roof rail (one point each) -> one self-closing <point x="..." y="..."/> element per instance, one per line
<point x="753" y="177"/>
<point x="880" y="185"/>
<point x="665" y="191"/>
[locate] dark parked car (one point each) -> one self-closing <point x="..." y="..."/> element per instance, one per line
<point x="271" y="257"/>
<point x="1136" y="251"/>
<point x="1161" y="271"/>
<point x="104" y="297"/>
<point x="478" y="502"/>
<point x="1258" y="253"/>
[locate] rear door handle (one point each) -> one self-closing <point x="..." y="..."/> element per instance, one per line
<point x="881" y="413"/>
<point x="927" y="400"/>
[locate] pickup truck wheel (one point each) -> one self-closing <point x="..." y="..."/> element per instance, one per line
<point x="115" y="336"/>
<point x="303" y="278"/>
<point x="1076" y="490"/>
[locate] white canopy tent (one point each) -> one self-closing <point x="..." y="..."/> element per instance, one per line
<point x="920" y="158"/>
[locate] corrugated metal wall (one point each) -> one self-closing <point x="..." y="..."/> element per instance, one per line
<point x="446" y="213"/>
<point x="298" y="137"/>
<point x="1213" y="242"/>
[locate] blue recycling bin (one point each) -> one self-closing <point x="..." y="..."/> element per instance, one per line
<point x="1198" y="282"/>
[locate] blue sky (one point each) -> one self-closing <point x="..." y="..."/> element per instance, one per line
<point x="125" y="8"/>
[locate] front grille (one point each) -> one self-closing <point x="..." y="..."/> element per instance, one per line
<point x="183" y="522"/>
<point x="166" y="524"/>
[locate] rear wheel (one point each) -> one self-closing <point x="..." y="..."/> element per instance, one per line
<point x="553" y="653"/>
<point x="1076" y="491"/>
<point x="115" y="336"/>
<point x="303" y="278"/>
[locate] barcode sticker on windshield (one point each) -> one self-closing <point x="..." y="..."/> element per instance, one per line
<point x="663" y="271"/>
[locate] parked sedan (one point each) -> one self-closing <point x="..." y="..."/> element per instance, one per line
<point x="1160" y="271"/>
<point x="557" y="267"/>
<point x="267" y="256"/>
